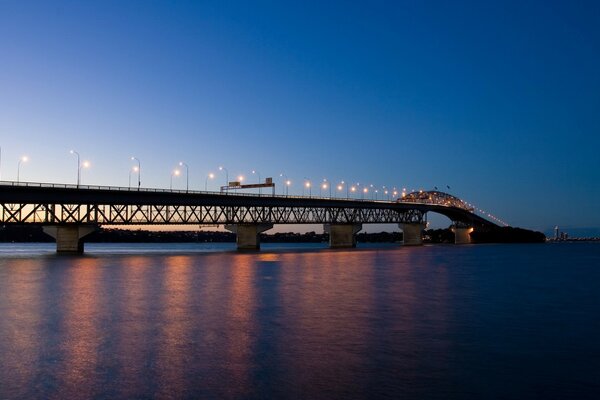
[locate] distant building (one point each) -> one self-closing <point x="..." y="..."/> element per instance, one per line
<point x="556" y="233"/>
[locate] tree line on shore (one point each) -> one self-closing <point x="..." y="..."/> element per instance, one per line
<point x="34" y="233"/>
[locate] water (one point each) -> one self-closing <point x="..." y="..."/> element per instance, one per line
<point x="300" y="321"/>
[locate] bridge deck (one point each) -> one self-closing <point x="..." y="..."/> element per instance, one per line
<point x="64" y="204"/>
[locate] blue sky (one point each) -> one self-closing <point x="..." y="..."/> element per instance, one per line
<point x="499" y="101"/>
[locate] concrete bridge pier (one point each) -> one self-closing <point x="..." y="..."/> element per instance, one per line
<point x="69" y="237"/>
<point x="342" y="235"/>
<point x="413" y="233"/>
<point x="248" y="235"/>
<point x="462" y="235"/>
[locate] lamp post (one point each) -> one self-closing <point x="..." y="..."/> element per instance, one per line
<point x="308" y="186"/>
<point x="221" y="168"/>
<point x="209" y="176"/>
<point x="357" y="189"/>
<point x="325" y="185"/>
<point x="257" y="173"/>
<point x="187" y="175"/>
<point x="78" y="166"/>
<point x="174" y="173"/>
<point x="134" y="169"/>
<point x="139" y="171"/>
<point x="340" y="187"/>
<point x="85" y="164"/>
<point x="22" y="159"/>
<point x="285" y="183"/>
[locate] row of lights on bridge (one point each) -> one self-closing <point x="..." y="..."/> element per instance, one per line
<point x="308" y="185"/>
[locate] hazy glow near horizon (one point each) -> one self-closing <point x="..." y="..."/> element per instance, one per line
<point x="500" y="102"/>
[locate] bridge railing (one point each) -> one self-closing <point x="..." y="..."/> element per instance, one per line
<point x="181" y="191"/>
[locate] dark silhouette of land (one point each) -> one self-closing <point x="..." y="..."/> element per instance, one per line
<point x="34" y="233"/>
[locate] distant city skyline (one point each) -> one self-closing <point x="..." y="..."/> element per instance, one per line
<point x="500" y="102"/>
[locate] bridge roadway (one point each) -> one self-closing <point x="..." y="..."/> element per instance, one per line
<point x="70" y="212"/>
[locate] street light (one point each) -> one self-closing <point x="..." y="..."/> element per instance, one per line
<point x="287" y="186"/>
<point x="221" y="168"/>
<point x="22" y="159"/>
<point x="78" y="166"/>
<point x="174" y="173"/>
<point x="209" y="176"/>
<point x="187" y="175"/>
<point x="139" y="171"/>
<point x="325" y="185"/>
<point x="285" y="181"/>
<point x="85" y="164"/>
<point x="258" y="173"/>
<point x="134" y="169"/>
<point x="364" y="191"/>
<point x="308" y="186"/>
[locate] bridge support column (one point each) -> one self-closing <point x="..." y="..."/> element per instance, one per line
<point x="247" y="235"/>
<point x="69" y="237"/>
<point x="342" y="235"/>
<point x="412" y="233"/>
<point x="462" y="235"/>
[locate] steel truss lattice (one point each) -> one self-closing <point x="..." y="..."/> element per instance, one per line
<point x="128" y="214"/>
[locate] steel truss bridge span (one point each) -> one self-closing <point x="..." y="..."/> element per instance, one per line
<point x="49" y="204"/>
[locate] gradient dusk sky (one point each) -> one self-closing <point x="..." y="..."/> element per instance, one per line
<point x="498" y="100"/>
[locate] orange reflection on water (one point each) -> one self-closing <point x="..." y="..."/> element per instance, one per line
<point x="135" y="297"/>
<point x="22" y="306"/>
<point x="331" y="296"/>
<point x="173" y="355"/>
<point x="241" y="318"/>
<point x="82" y="316"/>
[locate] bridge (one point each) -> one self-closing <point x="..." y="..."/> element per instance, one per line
<point x="70" y="212"/>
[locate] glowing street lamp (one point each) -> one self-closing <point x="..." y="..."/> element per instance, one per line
<point x="187" y="175"/>
<point x="134" y="169"/>
<point x="139" y="171"/>
<point x="174" y="173"/>
<point x="209" y="176"/>
<point x="85" y="164"/>
<point x="221" y="168"/>
<point x="308" y="186"/>
<point x="22" y="159"/>
<point x="254" y="172"/>
<point x="364" y="191"/>
<point x="322" y="187"/>
<point x="285" y="181"/>
<point x="287" y="186"/>
<point x="78" y="166"/>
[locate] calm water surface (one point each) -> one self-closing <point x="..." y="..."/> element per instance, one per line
<point x="295" y="321"/>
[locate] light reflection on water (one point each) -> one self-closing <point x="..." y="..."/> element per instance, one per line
<point x="431" y="322"/>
